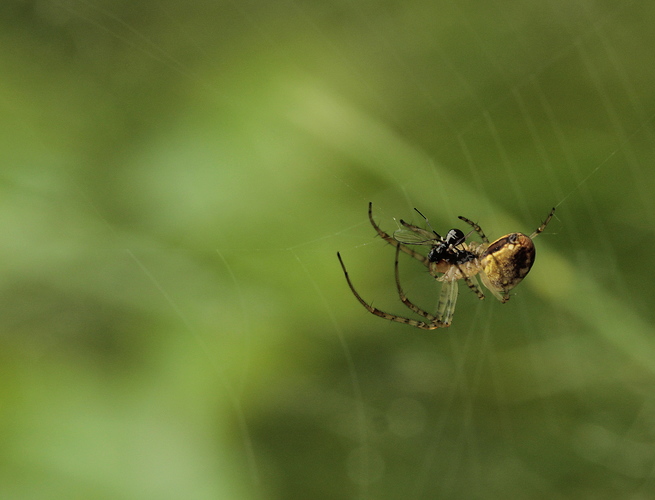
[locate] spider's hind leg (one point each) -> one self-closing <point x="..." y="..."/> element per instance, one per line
<point x="474" y="285"/>
<point x="543" y="224"/>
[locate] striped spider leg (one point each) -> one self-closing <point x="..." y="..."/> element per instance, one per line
<point x="437" y="262"/>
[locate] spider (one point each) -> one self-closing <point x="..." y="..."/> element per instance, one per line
<point x="501" y="265"/>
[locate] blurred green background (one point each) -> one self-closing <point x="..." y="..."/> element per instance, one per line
<point x="177" y="178"/>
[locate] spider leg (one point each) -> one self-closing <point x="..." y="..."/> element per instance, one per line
<point x="543" y="224"/>
<point x="423" y="259"/>
<point x="391" y="317"/>
<point x="407" y="302"/>
<point x="474" y="285"/>
<point x="500" y="295"/>
<point x="477" y="228"/>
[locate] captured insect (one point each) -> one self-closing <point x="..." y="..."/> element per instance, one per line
<point x="501" y="265"/>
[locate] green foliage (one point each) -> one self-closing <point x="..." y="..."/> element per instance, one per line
<point x="178" y="177"/>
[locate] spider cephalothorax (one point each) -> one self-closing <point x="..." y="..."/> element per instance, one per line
<point x="501" y="265"/>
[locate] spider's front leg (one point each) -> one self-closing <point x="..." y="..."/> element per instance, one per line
<point x="421" y="258"/>
<point x="423" y="325"/>
<point x="435" y="320"/>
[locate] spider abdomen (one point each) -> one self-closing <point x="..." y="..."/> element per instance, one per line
<point x="506" y="262"/>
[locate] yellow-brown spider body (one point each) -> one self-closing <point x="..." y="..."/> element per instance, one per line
<point x="501" y="264"/>
<point x="506" y="262"/>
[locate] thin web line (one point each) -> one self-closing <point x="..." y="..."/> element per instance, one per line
<point x="234" y="400"/>
<point x="352" y="370"/>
